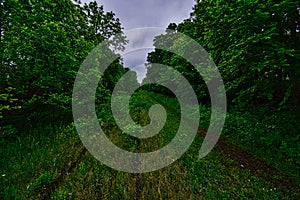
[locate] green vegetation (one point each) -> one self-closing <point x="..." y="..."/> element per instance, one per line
<point x="255" y="45"/>
<point x="57" y="167"/>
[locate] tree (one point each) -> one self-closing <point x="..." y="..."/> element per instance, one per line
<point x="43" y="44"/>
<point x="254" y="45"/>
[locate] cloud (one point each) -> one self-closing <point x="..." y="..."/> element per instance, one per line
<point x="156" y="13"/>
<point x="135" y="60"/>
<point x="146" y="13"/>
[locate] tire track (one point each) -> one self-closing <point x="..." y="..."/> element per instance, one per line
<point x="246" y="160"/>
<point x="45" y="194"/>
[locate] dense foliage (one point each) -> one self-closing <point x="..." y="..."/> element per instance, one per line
<point x="255" y="45"/>
<point x="43" y="44"/>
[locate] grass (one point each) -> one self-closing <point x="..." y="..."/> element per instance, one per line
<point x="271" y="136"/>
<point x="30" y="162"/>
<point x="50" y="163"/>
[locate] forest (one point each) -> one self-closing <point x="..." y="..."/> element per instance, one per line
<point x="255" y="45"/>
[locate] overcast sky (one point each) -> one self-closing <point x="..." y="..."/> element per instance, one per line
<point x="146" y="13"/>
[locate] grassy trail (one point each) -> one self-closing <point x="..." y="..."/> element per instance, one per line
<point x="59" y="167"/>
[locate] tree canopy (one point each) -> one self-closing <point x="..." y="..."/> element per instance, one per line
<point x="43" y="44"/>
<point x="255" y="45"/>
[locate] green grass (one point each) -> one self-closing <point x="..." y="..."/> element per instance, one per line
<point x="271" y="136"/>
<point x="32" y="163"/>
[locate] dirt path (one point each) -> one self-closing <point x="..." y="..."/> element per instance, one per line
<point x="248" y="161"/>
<point x="182" y="179"/>
<point x="255" y="165"/>
<point x="44" y="194"/>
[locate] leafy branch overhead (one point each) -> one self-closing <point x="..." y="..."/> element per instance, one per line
<point x="43" y="44"/>
<point x="255" y="45"/>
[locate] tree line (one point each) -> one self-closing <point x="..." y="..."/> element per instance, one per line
<point x="43" y="44"/>
<point x="255" y="45"/>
